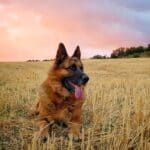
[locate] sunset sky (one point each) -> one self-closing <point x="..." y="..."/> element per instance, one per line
<point x="32" y="29"/>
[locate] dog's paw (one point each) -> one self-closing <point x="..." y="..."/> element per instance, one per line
<point x="75" y="138"/>
<point x="43" y="139"/>
<point x="61" y="123"/>
<point x="40" y="138"/>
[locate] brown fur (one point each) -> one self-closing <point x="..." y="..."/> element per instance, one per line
<point x="56" y="103"/>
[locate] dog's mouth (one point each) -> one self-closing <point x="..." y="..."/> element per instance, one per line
<point x="74" y="88"/>
<point x="78" y="91"/>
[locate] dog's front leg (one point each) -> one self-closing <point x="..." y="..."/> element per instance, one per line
<point x="75" y="124"/>
<point x="44" y="125"/>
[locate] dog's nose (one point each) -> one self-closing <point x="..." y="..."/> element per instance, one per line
<point x="85" y="79"/>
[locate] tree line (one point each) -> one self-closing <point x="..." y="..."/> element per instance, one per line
<point x="130" y="52"/>
<point x="121" y="52"/>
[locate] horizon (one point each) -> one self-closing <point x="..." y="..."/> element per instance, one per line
<point x="33" y="29"/>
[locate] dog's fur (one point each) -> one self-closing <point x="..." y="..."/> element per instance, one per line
<point x="55" y="102"/>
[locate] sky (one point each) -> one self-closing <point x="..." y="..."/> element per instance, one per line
<point x="32" y="29"/>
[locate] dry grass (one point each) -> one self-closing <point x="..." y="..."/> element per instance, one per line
<point x="116" y="114"/>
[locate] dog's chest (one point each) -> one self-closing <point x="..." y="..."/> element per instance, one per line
<point x="66" y="103"/>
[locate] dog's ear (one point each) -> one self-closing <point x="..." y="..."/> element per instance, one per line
<point x="77" y="53"/>
<point x="61" y="54"/>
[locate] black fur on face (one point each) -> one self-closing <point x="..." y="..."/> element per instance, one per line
<point x="78" y="78"/>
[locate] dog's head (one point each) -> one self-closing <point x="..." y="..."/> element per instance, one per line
<point x="70" y="70"/>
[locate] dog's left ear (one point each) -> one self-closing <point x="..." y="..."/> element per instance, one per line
<point x="61" y="54"/>
<point x="77" y="53"/>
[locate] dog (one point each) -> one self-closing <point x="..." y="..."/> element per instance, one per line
<point x="61" y="95"/>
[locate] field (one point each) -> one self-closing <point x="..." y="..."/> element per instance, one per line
<point x="116" y="113"/>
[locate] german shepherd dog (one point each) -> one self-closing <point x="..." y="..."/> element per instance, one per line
<point x="61" y="95"/>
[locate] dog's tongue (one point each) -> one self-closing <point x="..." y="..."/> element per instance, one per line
<point x="78" y="91"/>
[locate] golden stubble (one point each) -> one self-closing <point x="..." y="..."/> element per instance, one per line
<point x="116" y="112"/>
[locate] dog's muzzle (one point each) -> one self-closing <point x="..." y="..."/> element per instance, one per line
<point x="84" y="79"/>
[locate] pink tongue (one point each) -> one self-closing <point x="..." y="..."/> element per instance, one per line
<point x="78" y="92"/>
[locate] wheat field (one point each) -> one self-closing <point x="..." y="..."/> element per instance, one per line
<point x="116" y="113"/>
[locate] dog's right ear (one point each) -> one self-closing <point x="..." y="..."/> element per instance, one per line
<point x="61" y="54"/>
<point x="77" y="53"/>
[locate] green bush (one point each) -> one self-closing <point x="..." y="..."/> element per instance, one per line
<point x="136" y="55"/>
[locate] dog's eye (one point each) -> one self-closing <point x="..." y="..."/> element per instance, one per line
<point x="72" y="68"/>
<point x="81" y="68"/>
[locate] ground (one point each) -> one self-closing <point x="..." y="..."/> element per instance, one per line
<point x="116" y="113"/>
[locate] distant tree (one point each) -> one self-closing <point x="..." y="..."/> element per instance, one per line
<point x="114" y="54"/>
<point x="131" y="51"/>
<point x="118" y="53"/>
<point x="136" y="55"/>
<point x="139" y="49"/>
<point x="29" y="60"/>
<point x="99" y="57"/>
<point x="148" y="47"/>
<point x="46" y="60"/>
<point x="33" y="60"/>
